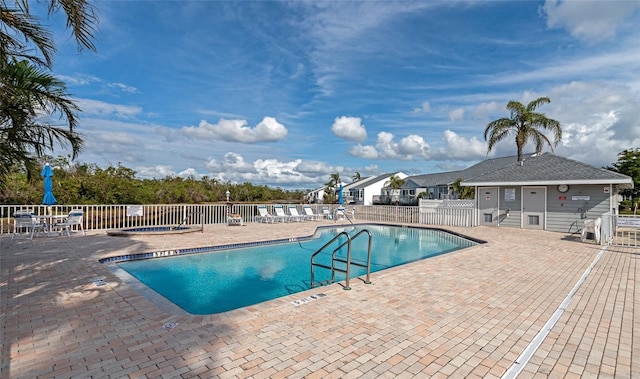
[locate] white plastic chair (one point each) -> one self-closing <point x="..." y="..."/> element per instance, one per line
<point x="28" y="222"/>
<point x="593" y="227"/>
<point x="74" y="219"/>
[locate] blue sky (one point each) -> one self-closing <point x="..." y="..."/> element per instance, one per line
<point x="287" y="93"/>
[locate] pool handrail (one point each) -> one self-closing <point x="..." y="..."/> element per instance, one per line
<point x="347" y="270"/>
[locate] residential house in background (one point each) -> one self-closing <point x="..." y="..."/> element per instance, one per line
<point x="378" y="190"/>
<point x="429" y="186"/>
<point x="316" y="196"/>
<point x="368" y="191"/>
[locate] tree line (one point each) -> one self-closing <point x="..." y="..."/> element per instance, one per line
<point x="90" y="184"/>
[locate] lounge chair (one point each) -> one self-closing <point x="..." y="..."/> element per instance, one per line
<point x="309" y="215"/>
<point x="294" y="215"/>
<point x="280" y="213"/>
<point x="265" y="216"/>
<point x="72" y="221"/>
<point x="28" y="222"/>
<point x="326" y="213"/>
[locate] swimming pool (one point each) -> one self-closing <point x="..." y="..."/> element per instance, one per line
<point x="223" y="280"/>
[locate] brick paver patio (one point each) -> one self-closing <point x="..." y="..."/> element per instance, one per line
<point x="468" y="314"/>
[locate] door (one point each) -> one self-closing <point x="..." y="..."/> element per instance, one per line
<point x="534" y="207"/>
<point x="488" y="206"/>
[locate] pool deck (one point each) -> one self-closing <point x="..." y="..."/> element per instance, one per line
<point x="572" y="309"/>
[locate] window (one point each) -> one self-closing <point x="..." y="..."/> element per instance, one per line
<point x="534" y="219"/>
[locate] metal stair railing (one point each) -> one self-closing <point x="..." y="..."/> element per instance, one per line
<point x="347" y="261"/>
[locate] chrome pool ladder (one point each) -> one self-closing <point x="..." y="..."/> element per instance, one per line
<point x="346" y="262"/>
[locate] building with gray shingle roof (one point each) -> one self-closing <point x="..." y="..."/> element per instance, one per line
<point x="547" y="192"/>
<point x="547" y="169"/>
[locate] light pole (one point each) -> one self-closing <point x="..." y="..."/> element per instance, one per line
<point x="228" y="194"/>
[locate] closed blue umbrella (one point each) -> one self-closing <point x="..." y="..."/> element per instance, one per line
<point x="47" y="174"/>
<point x="340" y="200"/>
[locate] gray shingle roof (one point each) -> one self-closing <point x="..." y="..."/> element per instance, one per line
<point x="444" y="178"/>
<point x="546" y="169"/>
<point x="431" y="180"/>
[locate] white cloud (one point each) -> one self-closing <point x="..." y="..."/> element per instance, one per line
<point x="461" y="148"/>
<point x="99" y="108"/>
<point x="79" y="79"/>
<point x="349" y="128"/>
<point x="366" y="152"/>
<point x="235" y="169"/>
<point x="387" y="148"/>
<point x="585" y="102"/>
<point x="425" y="107"/>
<point x="316" y="168"/>
<point x="235" y="163"/>
<point x="158" y="171"/>
<point x="482" y="111"/>
<point x="414" y="145"/>
<point x="456" y="114"/>
<point x="188" y="173"/>
<point x="269" y="130"/>
<point x="590" y="21"/>
<point x="123" y="87"/>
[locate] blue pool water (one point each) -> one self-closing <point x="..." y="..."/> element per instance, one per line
<point x="223" y="280"/>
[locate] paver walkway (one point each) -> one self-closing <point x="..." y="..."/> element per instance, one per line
<point x="468" y="314"/>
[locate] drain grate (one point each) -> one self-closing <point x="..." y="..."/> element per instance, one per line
<point x="308" y="299"/>
<point x="169" y="325"/>
<point x="98" y="282"/>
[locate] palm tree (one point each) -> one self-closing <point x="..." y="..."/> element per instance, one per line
<point x="356" y="176"/>
<point x="524" y="122"/>
<point x="394" y="182"/>
<point x="21" y="32"/>
<point x="329" y="196"/>
<point x="27" y="95"/>
<point x="465" y="192"/>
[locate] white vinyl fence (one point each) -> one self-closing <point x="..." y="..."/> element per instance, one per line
<point x="104" y="217"/>
<point x="620" y="230"/>
<point x="448" y="212"/>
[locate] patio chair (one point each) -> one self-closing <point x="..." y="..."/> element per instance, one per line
<point x="27" y="221"/>
<point x="309" y="215"/>
<point x="294" y="215"/>
<point x="72" y="221"/>
<point x="591" y="226"/>
<point x="326" y="213"/>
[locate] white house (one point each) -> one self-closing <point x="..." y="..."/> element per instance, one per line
<point x="367" y="191"/>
